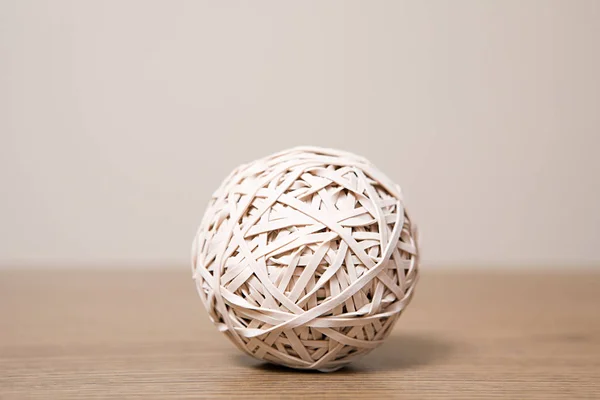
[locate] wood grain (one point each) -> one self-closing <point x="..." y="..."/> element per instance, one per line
<point x="144" y="334"/>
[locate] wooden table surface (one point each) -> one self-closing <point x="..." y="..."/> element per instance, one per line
<point x="144" y="334"/>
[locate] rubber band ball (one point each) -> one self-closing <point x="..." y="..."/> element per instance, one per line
<point x="306" y="258"/>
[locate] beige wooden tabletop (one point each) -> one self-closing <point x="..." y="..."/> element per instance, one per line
<point x="144" y="334"/>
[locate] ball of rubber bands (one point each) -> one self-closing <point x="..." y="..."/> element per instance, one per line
<point x="306" y="258"/>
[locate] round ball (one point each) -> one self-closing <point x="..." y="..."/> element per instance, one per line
<point x="306" y="258"/>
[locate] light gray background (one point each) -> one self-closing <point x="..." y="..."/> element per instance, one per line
<point x="119" y="118"/>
